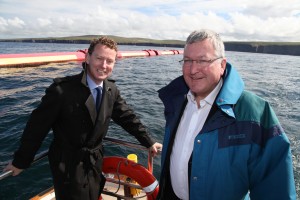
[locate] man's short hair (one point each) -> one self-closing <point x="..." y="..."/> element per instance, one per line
<point x="110" y="43"/>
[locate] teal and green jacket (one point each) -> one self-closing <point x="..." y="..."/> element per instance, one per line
<point x="241" y="150"/>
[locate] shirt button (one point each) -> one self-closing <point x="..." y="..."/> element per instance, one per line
<point x="195" y="178"/>
<point x="198" y="141"/>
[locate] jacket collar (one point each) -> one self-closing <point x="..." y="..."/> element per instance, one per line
<point x="231" y="91"/>
<point x="232" y="88"/>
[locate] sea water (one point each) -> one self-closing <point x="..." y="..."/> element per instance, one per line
<point x="275" y="78"/>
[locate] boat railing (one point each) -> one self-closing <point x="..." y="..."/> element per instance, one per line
<point x="135" y="146"/>
<point x="119" y="182"/>
<point x="37" y="158"/>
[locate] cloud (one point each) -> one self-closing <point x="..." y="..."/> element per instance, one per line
<point x="246" y="20"/>
<point x="44" y="22"/>
<point x="272" y="8"/>
<point x="15" y="24"/>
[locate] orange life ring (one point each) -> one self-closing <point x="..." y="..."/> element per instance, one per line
<point x="137" y="172"/>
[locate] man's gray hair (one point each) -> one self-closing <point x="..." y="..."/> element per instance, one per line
<point x="203" y="34"/>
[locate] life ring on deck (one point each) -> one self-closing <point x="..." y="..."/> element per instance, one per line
<point x="139" y="173"/>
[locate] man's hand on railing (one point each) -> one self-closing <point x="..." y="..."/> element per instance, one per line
<point x="155" y="149"/>
<point x="15" y="171"/>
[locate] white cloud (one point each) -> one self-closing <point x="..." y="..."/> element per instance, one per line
<point x="3" y="24"/>
<point x="44" y="22"/>
<point x="16" y="22"/>
<point x="268" y="20"/>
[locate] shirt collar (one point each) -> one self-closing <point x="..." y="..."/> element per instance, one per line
<point x="92" y="85"/>
<point x="210" y="97"/>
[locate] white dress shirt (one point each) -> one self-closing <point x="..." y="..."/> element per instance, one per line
<point x="190" y="125"/>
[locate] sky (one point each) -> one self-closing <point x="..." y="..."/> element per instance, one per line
<point x="234" y="20"/>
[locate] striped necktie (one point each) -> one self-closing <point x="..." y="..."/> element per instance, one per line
<point x="98" y="98"/>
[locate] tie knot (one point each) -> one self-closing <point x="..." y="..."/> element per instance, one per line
<point x="99" y="88"/>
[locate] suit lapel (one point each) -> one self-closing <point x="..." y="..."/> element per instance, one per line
<point x="101" y="125"/>
<point x="90" y="104"/>
<point x="106" y="103"/>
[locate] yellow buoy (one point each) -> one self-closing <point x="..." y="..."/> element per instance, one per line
<point x="132" y="157"/>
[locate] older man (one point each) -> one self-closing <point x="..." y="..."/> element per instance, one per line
<point x="221" y="142"/>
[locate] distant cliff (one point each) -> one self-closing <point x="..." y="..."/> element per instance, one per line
<point x="287" y="48"/>
<point x="270" y="48"/>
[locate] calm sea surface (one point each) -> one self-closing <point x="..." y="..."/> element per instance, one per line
<point x="273" y="77"/>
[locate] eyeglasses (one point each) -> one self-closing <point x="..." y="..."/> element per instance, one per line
<point x="200" y="63"/>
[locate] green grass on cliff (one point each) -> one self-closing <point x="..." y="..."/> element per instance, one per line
<point x="136" y="41"/>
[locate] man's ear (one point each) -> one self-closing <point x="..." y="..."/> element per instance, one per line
<point x="223" y="65"/>
<point x="87" y="58"/>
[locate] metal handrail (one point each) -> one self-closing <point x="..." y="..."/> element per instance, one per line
<point x="37" y="158"/>
<point x="136" y="146"/>
<point x="43" y="154"/>
<point x="112" y="180"/>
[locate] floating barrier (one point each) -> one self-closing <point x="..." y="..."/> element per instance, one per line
<point x="36" y="59"/>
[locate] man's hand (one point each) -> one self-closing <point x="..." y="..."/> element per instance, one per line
<point x="15" y="171"/>
<point x="155" y="149"/>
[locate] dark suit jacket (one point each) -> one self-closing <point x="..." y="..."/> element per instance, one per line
<point x="75" y="155"/>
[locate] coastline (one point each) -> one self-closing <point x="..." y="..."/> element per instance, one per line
<point x="280" y="48"/>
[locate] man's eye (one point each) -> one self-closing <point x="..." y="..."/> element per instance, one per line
<point x="109" y="62"/>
